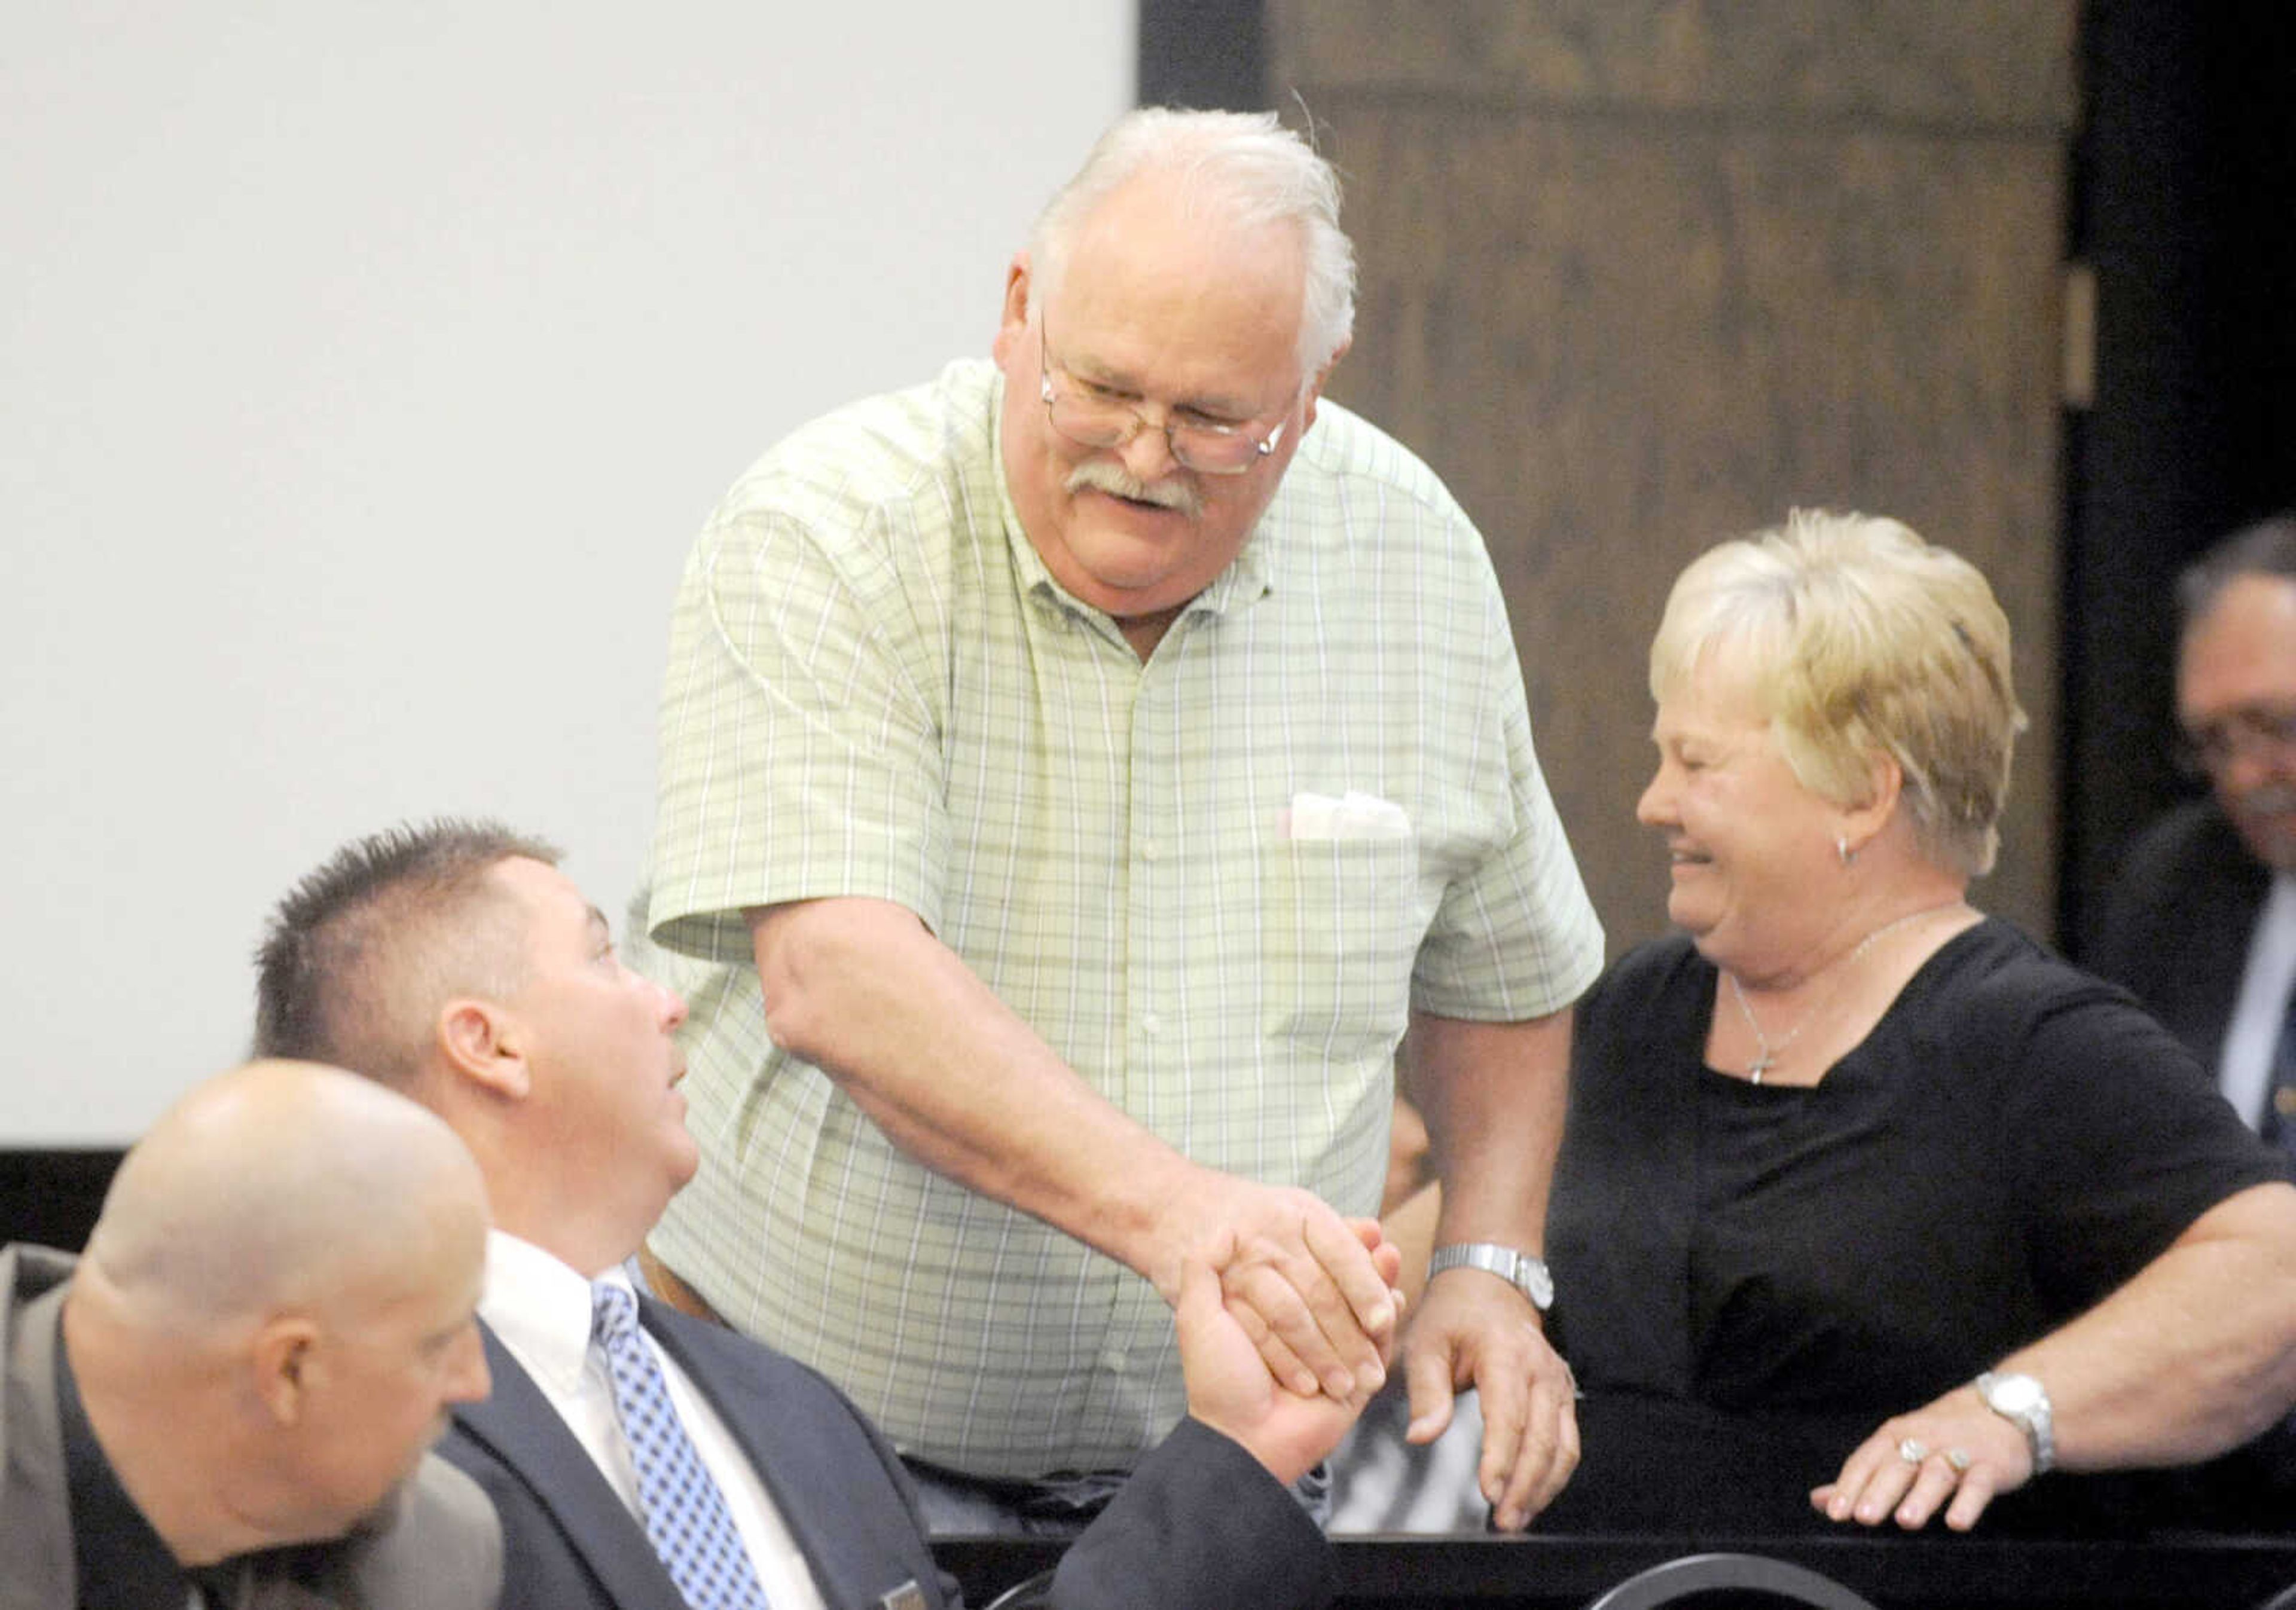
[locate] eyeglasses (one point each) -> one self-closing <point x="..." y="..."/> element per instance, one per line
<point x="2270" y="732"/>
<point x="1091" y="416"/>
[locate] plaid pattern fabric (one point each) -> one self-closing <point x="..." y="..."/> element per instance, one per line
<point x="876" y="689"/>
<point x="686" y="1519"/>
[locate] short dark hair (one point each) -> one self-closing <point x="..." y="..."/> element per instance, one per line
<point x="361" y="953"/>
<point x="2266" y="548"/>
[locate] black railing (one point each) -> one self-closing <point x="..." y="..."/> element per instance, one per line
<point x="2175" y="1572"/>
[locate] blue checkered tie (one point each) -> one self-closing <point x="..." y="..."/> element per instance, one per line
<point x="686" y="1515"/>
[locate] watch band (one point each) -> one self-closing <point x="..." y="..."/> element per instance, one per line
<point x="1527" y="1274"/>
<point x="2024" y="1402"/>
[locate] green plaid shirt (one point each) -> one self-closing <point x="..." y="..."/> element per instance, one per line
<point x="876" y="689"/>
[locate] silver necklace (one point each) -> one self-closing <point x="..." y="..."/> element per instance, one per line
<point x="1768" y="1051"/>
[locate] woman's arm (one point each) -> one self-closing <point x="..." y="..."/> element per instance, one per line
<point x="2196" y="1355"/>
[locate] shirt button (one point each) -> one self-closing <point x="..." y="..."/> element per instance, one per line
<point x="1149" y="850"/>
<point x="1151" y="1023"/>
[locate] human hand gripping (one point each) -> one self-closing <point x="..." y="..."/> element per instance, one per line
<point x="1475" y="1329"/>
<point x="1956" y="1448"/>
<point x="1230" y="1388"/>
<point x="1300" y="1281"/>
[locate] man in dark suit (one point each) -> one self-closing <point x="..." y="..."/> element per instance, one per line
<point x="230" y="1396"/>
<point x="2201" y="925"/>
<point x="456" y="962"/>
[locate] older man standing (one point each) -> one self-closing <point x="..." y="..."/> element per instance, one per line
<point x="1077" y="773"/>
<point x="273" y="1316"/>
<point x="2201" y="925"/>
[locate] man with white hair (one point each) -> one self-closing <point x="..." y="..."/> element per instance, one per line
<point x="1077" y="774"/>
<point x="228" y="1400"/>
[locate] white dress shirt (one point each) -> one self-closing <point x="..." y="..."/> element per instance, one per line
<point x="540" y="1309"/>
<point x="2245" y="1064"/>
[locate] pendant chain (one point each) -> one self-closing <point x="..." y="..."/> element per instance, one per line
<point x="1767" y="1050"/>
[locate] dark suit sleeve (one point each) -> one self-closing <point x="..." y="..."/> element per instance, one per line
<point x="2174" y="927"/>
<point x="1201" y="1523"/>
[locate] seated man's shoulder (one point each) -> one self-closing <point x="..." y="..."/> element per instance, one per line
<point x="27" y="1269"/>
<point x="2193" y="833"/>
<point x="440" y="1549"/>
<point x="2174" y="880"/>
<point x="734" y="1362"/>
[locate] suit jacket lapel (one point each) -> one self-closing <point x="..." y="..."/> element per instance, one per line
<point x="849" y="1545"/>
<point x="517" y="1424"/>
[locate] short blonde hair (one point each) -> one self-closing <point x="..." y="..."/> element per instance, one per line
<point x="1860" y="640"/>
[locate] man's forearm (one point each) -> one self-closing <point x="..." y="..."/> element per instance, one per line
<point x="861" y="990"/>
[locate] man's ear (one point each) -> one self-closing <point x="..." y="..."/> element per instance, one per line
<point x="485" y="1043"/>
<point x="284" y="1358"/>
<point x="1013" y="320"/>
<point x="1322" y="378"/>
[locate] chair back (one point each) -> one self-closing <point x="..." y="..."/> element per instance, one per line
<point x="1675" y="1580"/>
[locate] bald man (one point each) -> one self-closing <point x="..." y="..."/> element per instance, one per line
<point x="228" y="1400"/>
<point x="455" y="961"/>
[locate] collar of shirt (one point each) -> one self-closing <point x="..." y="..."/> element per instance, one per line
<point x="540" y="1309"/>
<point x="122" y="1564"/>
<point x="2244" y="1066"/>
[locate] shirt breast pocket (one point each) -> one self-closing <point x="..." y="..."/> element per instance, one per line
<point x="1344" y="926"/>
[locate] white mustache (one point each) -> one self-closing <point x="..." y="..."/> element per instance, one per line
<point x="1103" y="476"/>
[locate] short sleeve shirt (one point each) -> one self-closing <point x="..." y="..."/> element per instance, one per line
<point x="876" y="689"/>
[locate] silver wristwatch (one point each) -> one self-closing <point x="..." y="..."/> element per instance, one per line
<point x="2024" y="1402"/>
<point x="1527" y="1274"/>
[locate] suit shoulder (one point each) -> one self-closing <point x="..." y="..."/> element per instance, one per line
<point x="442" y="1549"/>
<point x="2178" y="877"/>
<point x="2193" y="834"/>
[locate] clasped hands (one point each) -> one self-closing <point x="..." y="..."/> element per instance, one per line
<point x="1314" y="1295"/>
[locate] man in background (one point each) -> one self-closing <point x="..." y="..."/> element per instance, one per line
<point x="228" y="1400"/>
<point x="2201" y="924"/>
<point x="642" y="1458"/>
<point x="1077" y="774"/>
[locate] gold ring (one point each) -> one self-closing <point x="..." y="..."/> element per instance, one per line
<point x="1958" y="1458"/>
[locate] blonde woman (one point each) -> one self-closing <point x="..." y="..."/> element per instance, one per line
<point x="1868" y="1205"/>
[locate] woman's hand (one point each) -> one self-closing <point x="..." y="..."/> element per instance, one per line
<point x="1957" y="1450"/>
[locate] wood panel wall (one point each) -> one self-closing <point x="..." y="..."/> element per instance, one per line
<point x="1639" y="275"/>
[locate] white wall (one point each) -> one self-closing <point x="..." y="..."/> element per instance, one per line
<point x="365" y="370"/>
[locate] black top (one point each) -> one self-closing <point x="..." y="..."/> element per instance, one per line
<point x="2012" y="1141"/>
<point x="121" y="1562"/>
